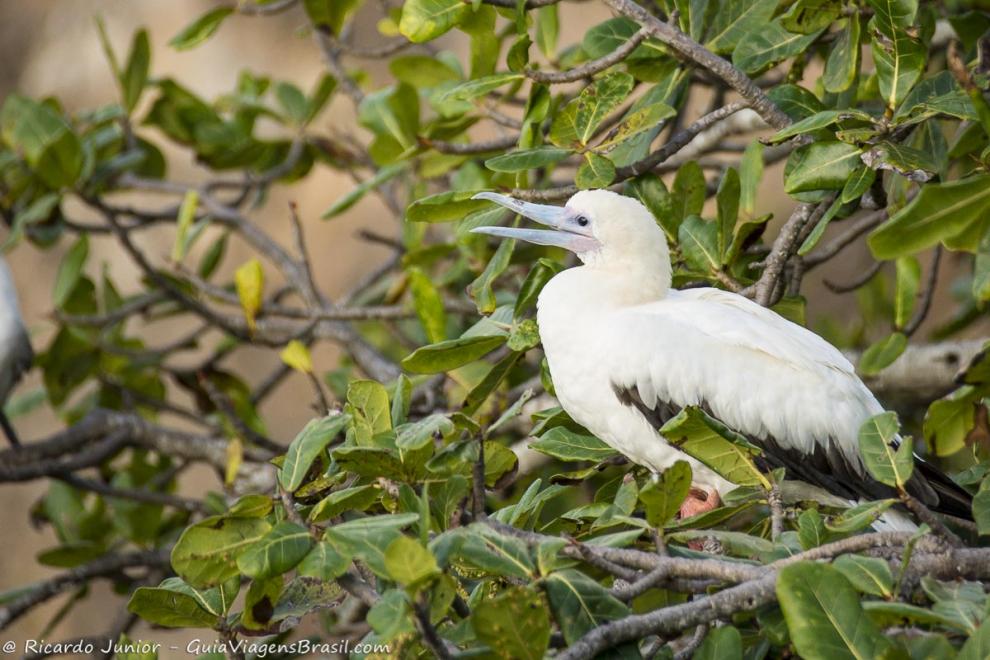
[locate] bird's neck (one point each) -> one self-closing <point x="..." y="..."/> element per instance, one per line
<point x="597" y="286"/>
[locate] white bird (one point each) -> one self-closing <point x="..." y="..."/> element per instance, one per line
<point x="15" y="349"/>
<point x="627" y="352"/>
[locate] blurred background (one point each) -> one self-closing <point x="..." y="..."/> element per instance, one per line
<point x="52" y="48"/>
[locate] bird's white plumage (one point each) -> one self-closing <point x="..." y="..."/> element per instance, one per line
<point x="757" y="372"/>
<point x="626" y="352"/>
<point x="15" y="350"/>
<point x="614" y="323"/>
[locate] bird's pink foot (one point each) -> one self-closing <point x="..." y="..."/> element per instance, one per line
<point x="699" y="500"/>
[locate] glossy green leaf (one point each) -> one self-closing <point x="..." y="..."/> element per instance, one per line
<point x="575" y="124"/>
<point x="170" y="609"/>
<point x="940" y="211"/>
<point x="596" y="171"/>
<point x="724" y="451"/>
<point x="206" y="553"/>
<point x="820" y="166"/>
<point x="889" y="464"/>
<point x="735" y="19"/>
<point x="409" y="563"/>
<point x="527" y="159"/>
<point x="201" y="29"/>
<point x="276" y="552"/>
<point x="70" y="271"/>
<point x="823" y="614"/>
<point x="881" y="354"/>
<point x="450" y="354"/>
<point x="663" y="496"/>
<point x="768" y="45"/>
<point x="842" y="64"/>
<point x="869" y="575"/>
<point x="907" y="281"/>
<point x="560" y="442"/>
<point x="424" y="20"/>
<point x="698" y="240"/>
<point x="580" y="604"/>
<point x="306" y="446"/>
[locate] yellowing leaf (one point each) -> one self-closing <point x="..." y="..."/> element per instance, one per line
<point x="235" y="456"/>
<point x="250" y="281"/>
<point x="297" y="356"/>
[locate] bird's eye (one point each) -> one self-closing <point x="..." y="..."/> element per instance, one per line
<point x="583" y="221"/>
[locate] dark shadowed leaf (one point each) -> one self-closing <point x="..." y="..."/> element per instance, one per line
<point x="579" y="603"/>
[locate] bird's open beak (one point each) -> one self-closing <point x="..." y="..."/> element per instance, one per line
<point x="564" y="234"/>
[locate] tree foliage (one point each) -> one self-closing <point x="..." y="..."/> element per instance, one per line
<point x="407" y="512"/>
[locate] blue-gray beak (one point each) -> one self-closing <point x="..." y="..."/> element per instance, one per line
<point x="566" y="233"/>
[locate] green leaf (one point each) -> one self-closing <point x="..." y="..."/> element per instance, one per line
<point x="580" y="604"/>
<point x="514" y="624"/>
<point x="306" y="446"/>
<point x="735" y="19"/>
<point x="170" y="609"/>
<point x="481" y="288"/>
<point x="392" y="112"/>
<point x="881" y="354"/>
<point x="206" y="553"/>
<point x="472" y="89"/>
<point x="663" y="497"/>
<point x="44" y="138"/>
<point x="981" y="512"/>
<point x="429" y="305"/>
<point x="823" y="614"/>
<point x="444" y="207"/>
<point x="416" y="435"/>
<point x="908" y="278"/>
<point x="724" y="451"/>
<point x="201" y="29"/>
<point x="899" y="57"/>
<point x="424" y="20"/>
<point x="323" y="562"/>
<point x="750" y="174"/>
<point x="70" y="271"/>
<point x="842" y="64"/>
<point x="356" y="498"/>
<point x="727" y="199"/>
<point x="596" y="171"/>
<point x="383" y="175"/>
<point x="563" y="443"/>
<point x="698" y="241"/>
<point x="527" y="159"/>
<point x="450" y="354"/>
<point x="276" y="552"/>
<point x="637" y="122"/>
<point x="293" y="102"/>
<point x="331" y="13"/>
<point x="370" y="399"/>
<point x="134" y="77"/>
<point x="367" y="538"/>
<point x="187" y="213"/>
<point x="818" y="121"/>
<point x="820" y="166"/>
<point x="869" y="575"/>
<point x="977" y="647"/>
<point x="723" y="643"/>
<point x="575" y="124"/>
<point x="768" y="45"/>
<point x="409" y="563"/>
<point x="949" y="420"/>
<point x="859" y="517"/>
<point x="811" y="529"/>
<point x="538" y="276"/>
<point x="889" y="464"/>
<point x="857" y="184"/>
<point x="940" y="211"/>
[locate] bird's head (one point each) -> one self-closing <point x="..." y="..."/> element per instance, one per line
<point x="602" y="227"/>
